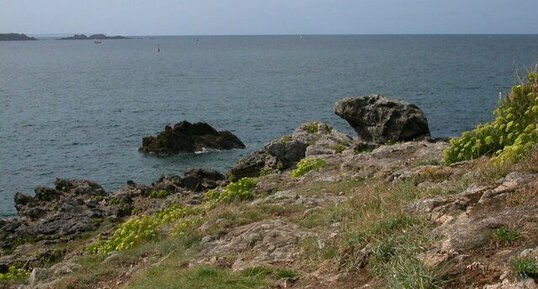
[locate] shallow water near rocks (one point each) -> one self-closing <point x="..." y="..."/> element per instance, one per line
<point x="77" y="109"/>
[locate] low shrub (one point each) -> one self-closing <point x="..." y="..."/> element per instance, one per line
<point x="236" y="191"/>
<point x="161" y="194"/>
<point x="307" y="165"/>
<point x="13" y="274"/>
<point x="140" y="228"/>
<point x="512" y="133"/>
<point x="312" y="128"/>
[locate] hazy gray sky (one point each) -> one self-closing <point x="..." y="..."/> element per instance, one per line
<point x="179" y="17"/>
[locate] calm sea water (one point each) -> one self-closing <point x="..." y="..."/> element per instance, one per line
<point x="76" y="109"/>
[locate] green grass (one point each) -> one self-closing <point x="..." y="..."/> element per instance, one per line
<point x="525" y="267"/>
<point x="505" y="235"/>
<point x="286" y="274"/>
<point x="171" y="277"/>
<point x="170" y="249"/>
<point x="406" y="272"/>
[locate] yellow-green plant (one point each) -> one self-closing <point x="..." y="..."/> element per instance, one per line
<point x="139" y="228"/>
<point x="312" y="128"/>
<point x="13" y="274"/>
<point x="513" y="132"/>
<point x="161" y="194"/>
<point x="307" y="165"/>
<point x="236" y="191"/>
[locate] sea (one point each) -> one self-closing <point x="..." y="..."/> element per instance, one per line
<point x="79" y="109"/>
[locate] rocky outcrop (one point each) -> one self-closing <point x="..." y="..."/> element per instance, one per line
<point x="292" y="220"/>
<point x="309" y="139"/>
<point x="270" y="242"/>
<point x="467" y="219"/>
<point x="189" y="137"/>
<point x="14" y="37"/>
<point x="53" y="215"/>
<point x="379" y="119"/>
<point x="196" y="180"/>
<point x="92" y="37"/>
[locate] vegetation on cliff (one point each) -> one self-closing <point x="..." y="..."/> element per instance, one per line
<point x="512" y="133"/>
<point x="395" y="216"/>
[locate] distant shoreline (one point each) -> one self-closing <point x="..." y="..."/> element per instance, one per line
<point x="93" y="37"/>
<point x="15" y="37"/>
<point x="64" y="36"/>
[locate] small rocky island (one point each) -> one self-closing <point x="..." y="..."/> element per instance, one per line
<point x="15" y="37"/>
<point x="93" y="37"/>
<point x="186" y="137"/>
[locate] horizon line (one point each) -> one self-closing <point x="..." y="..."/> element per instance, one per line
<point x="278" y="34"/>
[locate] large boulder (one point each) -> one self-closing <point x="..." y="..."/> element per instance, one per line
<point x="378" y="119"/>
<point x="189" y="137"/>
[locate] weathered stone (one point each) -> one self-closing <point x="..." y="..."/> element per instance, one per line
<point x="53" y="215"/>
<point x="378" y="119"/>
<point x="311" y="138"/>
<point x="197" y="180"/>
<point x="277" y="155"/>
<point x="267" y="242"/>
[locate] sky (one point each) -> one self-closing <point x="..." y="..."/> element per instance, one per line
<point x="247" y="17"/>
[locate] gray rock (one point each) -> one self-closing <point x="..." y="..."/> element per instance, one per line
<point x="311" y="138"/>
<point x="378" y="119"/>
<point x="274" y="156"/>
<point x="53" y="215"/>
<point x="197" y="180"/>
<point x="189" y="137"/>
<point x="38" y="275"/>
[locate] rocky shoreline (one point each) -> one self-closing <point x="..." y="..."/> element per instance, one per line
<point x="315" y="209"/>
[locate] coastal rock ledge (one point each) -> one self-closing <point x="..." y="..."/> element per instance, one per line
<point x="379" y="119"/>
<point x="189" y="137"/>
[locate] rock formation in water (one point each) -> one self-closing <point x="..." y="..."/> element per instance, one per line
<point x="14" y="37"/>
<point x="189" y="137"/>
<point x="92" y="37"/>
<point x="379" y="119"/>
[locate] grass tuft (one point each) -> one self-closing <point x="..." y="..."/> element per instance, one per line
<point x="525" y="267"/>
<point x="505" y="235"/>
<point x="407" y="272"/>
